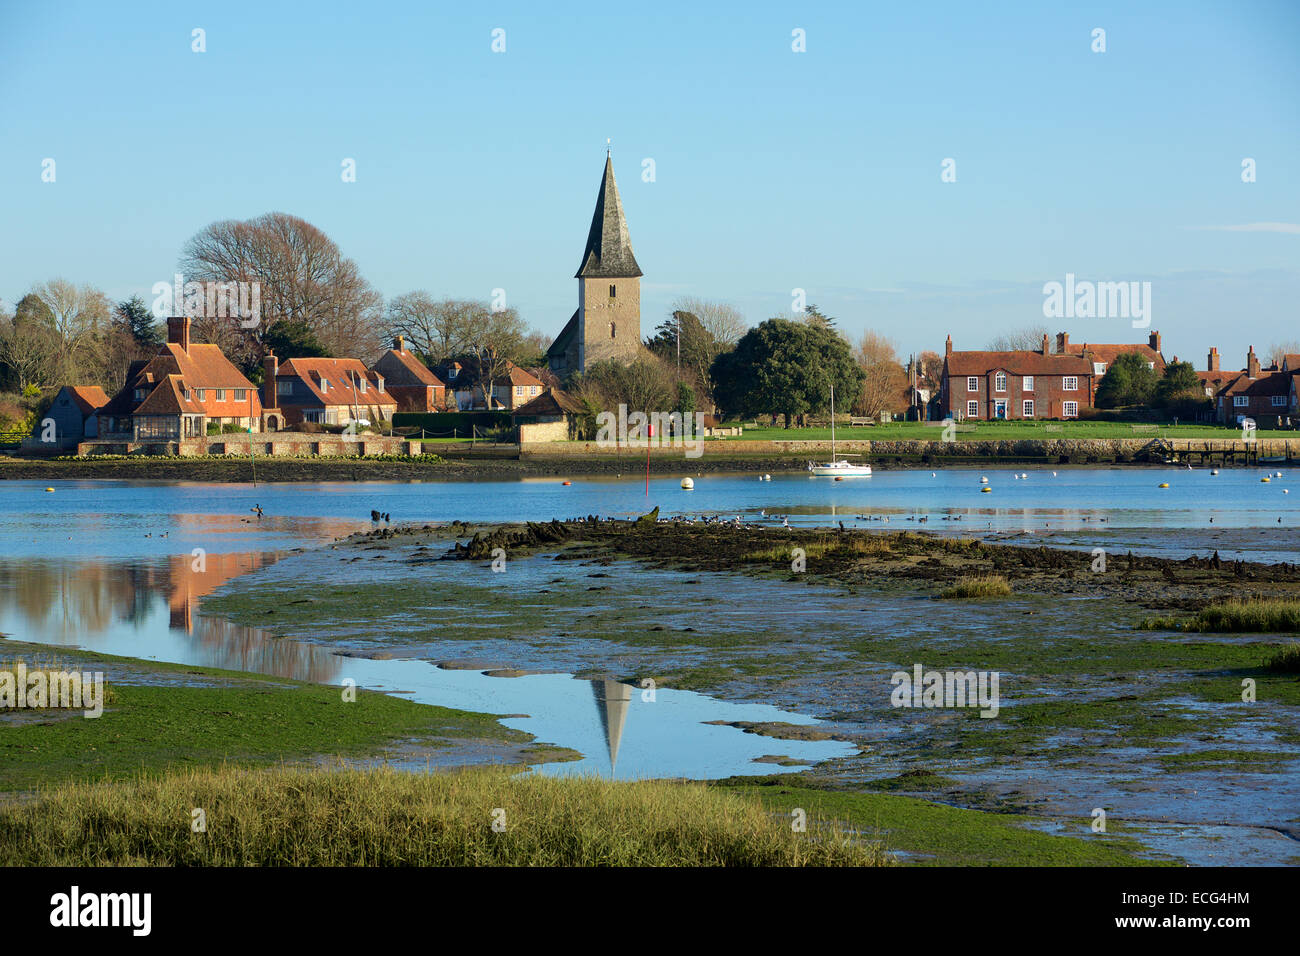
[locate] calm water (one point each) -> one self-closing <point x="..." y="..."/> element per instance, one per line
<point x="127" y="518"/>
<point x="108" y="566"/>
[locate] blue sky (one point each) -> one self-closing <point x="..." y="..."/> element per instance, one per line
<point x="775" y="170"/>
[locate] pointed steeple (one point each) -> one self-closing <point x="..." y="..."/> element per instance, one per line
<point x="609" y="249"/>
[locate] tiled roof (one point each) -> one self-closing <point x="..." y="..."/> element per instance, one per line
<point x="551" y="402"/>
<point x="168" y="398"/>
<point x="1016" y="363"/>
<point x="1107" y="353"/>
<point x="89" y="398"/>
<point x="344" y="376"/>
<point x="412" y="370"/>
<point x="608" y="253"/>
<point x="1271" y="382"/>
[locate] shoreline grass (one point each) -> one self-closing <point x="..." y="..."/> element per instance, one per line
<point x="1240" y="615"/>
<point x="380" y="817"/>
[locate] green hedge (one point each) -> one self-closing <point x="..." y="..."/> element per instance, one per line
<point x="445" y="424"/>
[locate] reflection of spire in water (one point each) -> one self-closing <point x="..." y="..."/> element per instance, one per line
<point x="612" y="701"/>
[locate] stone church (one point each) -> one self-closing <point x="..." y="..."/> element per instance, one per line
<point x="607" y="323"/>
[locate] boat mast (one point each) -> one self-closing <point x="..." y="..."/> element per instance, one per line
<point x="832" y="423"/>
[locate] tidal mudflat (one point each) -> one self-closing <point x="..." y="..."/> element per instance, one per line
<point x="1148" y="726"/>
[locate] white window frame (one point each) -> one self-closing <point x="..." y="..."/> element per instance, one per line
<point x="201" y="394"/>
<point x="1066" y="412"/>
<point x="1027" y="384"/>
<point x="972" y="383"/>
<point x="219" y="395"/>
<point x="1069" y="383"/>
<point x="1279" y="401"/>
<point x="1098" y="368"/>
<point x="972" y="409"/>
<point x="1000" y="382"/>
<point x="1027" y="408"/>
<point x="1241" y="401"/>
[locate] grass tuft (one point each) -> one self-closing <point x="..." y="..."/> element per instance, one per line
<point x="981" y="586"/>
<point x="1285" y="660"/>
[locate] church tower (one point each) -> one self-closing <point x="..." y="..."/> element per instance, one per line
<point x="607" y="324"/>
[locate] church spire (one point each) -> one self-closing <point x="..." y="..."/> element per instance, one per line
<point x="609" y="248"/>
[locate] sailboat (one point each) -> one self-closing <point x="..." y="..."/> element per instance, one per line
<point x="838" y="467"/>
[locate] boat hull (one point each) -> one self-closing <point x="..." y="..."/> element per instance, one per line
<point x="840" y="470"/>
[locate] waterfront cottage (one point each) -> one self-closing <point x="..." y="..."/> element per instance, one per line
<point x="75" y="414"/>
<point x="1264" y="395"/>
<point x="327" y="391"/>
<point x="1024" y="384"/>
<point x="180" y="393"/>
<point x="414" y="387"/>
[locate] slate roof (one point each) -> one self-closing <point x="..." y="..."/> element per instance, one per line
<point x="562" y="341"/>
<point x="609" y="248"/>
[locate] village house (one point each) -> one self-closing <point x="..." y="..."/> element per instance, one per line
<point x="327" y="391"/>
<point x="986" y="385"/>
<point x="1101" y="355"/>
<point x="75" y="414"/>
<point x="1264" y="395"/>
<point x="182" y="392"/>
<point x="409" y="381"/>
<point x="551" y="416"/>
<point x="510" y="389"/>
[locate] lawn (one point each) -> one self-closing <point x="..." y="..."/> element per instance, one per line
<point x="933" y="431"/>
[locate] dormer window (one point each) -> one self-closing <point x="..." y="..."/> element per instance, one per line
<point x="324" y="384"/>
<point x="379" y="382"/>
<point x="362" y="384"/>
<point x="139" y="394"/>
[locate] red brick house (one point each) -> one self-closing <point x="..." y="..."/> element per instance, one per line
<point x="1265" y="395"/>
<point x="329" y="391"/>
<point x="414" y="386"/>
<point x="179" y="392"/>
<point x="1101" y="355"/>
<point x="986" y="386"/>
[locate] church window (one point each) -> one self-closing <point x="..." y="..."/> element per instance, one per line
<point x="612" y="290"/>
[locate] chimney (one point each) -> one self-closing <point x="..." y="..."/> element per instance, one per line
<point x="1153" y="340"/>
<point x="270" y="366"/>
<point x="178" y="331"/>
<point x="399" y="343"/>
<point x="947" y="348"/>
<point x="1062" y="342"/>
<point x="1047" y="348"/>
<point x="1252" y="363"/>
<point x="1212" y="363"/>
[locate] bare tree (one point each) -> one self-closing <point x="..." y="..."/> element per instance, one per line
<point x="436" y="328"/>
<point x="302" y="277"/>
<point x="493" y="337"/>
<point x="79" y="314"/>
<point x="28" y="348"/>
<point x="722" y="321"/>
<point x="1027" y="339"/>
<point x="1280" y="350"/>
<point x="929" y="369"/>
<point x="884" y="382"/>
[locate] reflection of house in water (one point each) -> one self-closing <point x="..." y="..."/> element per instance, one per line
<point x="186" y="585"/>
<point x="613" y="698"/>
